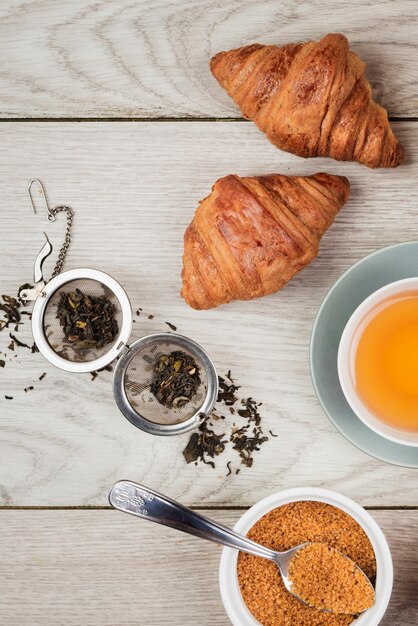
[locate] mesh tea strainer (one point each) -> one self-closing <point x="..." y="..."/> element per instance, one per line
<point x="132" y="385"/>
<point x="134" y="370"/>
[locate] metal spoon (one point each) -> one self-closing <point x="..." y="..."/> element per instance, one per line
<point x="138" y="500"/>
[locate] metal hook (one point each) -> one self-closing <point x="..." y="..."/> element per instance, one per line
<point x="50" y="216"/>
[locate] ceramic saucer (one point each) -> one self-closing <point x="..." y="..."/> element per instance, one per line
<point x="357" y="283"/>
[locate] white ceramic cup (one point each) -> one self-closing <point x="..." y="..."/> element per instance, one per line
<point x="346" y="360"/>
<point x="228" y="577"/>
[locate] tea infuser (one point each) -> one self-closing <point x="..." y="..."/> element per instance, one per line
<point x="133" y="371"/>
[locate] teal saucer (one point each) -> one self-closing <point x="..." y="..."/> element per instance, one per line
<point x="367" y="275"/>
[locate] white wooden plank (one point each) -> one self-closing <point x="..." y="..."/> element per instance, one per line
<point x="145" y="58"/>
<point x="100" y="567"/>
<point x="134" y="187"/>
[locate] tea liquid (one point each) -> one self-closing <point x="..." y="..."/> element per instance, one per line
<point x="386" y="362"/>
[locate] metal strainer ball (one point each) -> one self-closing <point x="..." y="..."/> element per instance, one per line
<point x="133" y="376"/>
<point x="49" y="333"/>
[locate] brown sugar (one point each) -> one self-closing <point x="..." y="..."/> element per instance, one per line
<point x="325" y="579"/>
<point x="260" y="582"/>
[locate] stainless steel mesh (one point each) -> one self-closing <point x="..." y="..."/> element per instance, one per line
<point x="54" y="332"/>
<point x="138" y="378"/>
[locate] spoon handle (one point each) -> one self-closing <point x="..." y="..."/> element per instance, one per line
<point x="148" y="504"/>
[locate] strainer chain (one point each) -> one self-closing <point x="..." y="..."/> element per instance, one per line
<point x="67" y="240"/>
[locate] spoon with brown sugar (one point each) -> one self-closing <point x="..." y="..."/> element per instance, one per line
<point x="315" y="573"/>
<point x="328" y="580"/>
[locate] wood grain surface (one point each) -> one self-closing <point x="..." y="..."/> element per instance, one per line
<point x="147" y="58"/>
<point x="134" y="188"/>
<point x="102" y="567"/>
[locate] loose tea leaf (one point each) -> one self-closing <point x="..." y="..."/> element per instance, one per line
<point x="10" y="307"/>
<point x="106" y="368"/>
<point x="19" y="343"/>
<point x="192" y="452"/>
<point x="171" y="326"/>
<point x="176" y="379"/>
<point x="251" y="410"/>
<point x="245" y="439"/>
<point x="246" y="445"/>
<point x="89" y="322"/>
<point x="24" y="287"/>
<point x="227" y="391"/>
<point x="203" y="444"/>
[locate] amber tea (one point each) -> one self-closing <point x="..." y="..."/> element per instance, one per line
<point x="386" y="362"/>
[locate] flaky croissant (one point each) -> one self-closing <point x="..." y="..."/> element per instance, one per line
<point x="311" y="99"/>
<point x="251" y="235"/>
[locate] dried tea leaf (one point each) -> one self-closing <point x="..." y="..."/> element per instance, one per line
<point x="89" y="322"/>
<point x="176" y="379"/>
<point x="192" y="451"/>
<point x="204" y="443"/>
<point x="19" y="343"/>
<point x="245" y="440"/>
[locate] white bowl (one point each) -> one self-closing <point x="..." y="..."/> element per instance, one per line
<point x="228" y="577"/>
<point x="346" y="361"/>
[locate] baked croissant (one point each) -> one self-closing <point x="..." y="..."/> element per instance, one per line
<point x="311" y="99"/>
<point x="250" y="236"/>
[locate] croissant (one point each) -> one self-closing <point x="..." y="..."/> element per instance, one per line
<point x="311" y="99"/>
<point x="250" y="236"/>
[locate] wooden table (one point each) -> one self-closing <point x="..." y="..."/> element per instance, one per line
<point x="112" y="105"/>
